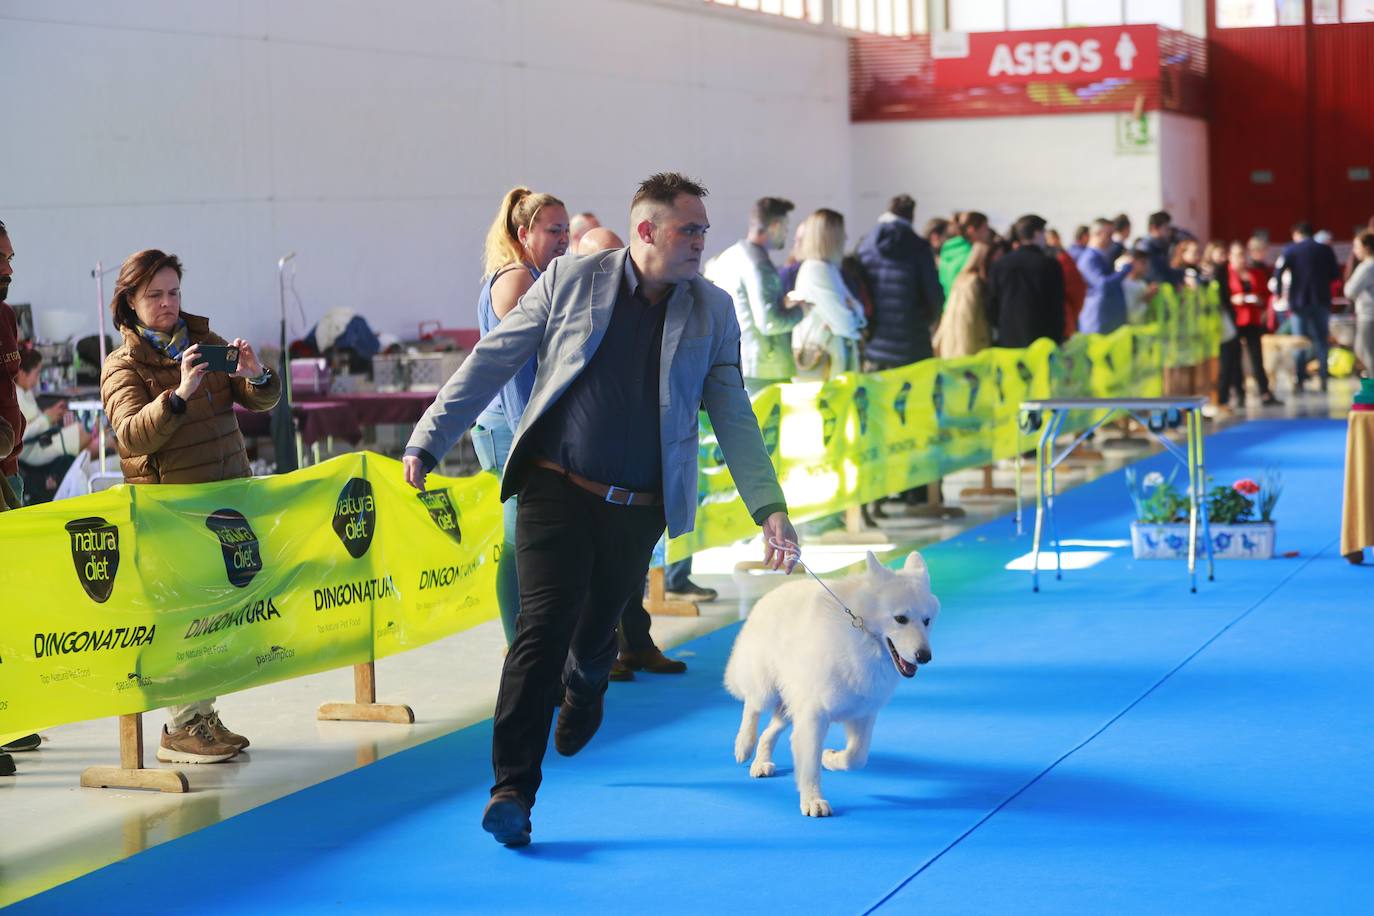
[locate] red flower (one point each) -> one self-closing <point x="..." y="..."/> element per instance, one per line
<point x="1247" y="486"/>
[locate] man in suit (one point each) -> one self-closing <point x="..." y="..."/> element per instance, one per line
<point x="1311" y="268"/>
<point x="1159" y="246"/>
<point x="1025" y="298"/>
<point x="1104" y="306"/>
<point x="629" y="343"/>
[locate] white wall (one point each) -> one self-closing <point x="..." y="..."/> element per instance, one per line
<point x="1068" y="168"/>
<point x="376" y="139"/>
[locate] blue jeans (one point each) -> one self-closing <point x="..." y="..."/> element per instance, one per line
<point x="493" y="448"/>
<point x="675" y="575"/>
<point x="17" y="485"/>
<point x="1315" y="325"/>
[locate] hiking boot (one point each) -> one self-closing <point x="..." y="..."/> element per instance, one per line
<point x="507" y="818"/>
<point x="6" y="765"/>
<point x="193" y="743"/>
<point x="620" y="673"/>
<point x="224" y="735"/>
<point x="578" y="721"/>
<point x="651" y="660"/>
<point x="693" y="592"/>
<point x="27" y="743"/>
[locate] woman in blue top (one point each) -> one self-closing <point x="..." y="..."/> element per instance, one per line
<point x="529" y="231"/>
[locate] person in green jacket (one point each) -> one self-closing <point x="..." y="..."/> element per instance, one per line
<point x="969" y="227"/>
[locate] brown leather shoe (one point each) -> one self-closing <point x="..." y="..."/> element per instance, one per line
<point x="578" y="720"/>
<point x="620" y="673"/>
<point x="653" y="661"/>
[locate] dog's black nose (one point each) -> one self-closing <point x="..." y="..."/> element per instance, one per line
<point x="923" y="656"/>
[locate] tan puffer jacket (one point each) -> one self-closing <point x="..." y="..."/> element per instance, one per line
<point x="158" y="446"/>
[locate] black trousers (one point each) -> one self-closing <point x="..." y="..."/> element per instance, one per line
<point x="579" y="559"/>
<point x="1250" y="337"/>
<point x="634" y="626"/>
<point x="1229" y="376"/>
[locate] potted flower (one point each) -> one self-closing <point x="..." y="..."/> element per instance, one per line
<point x="1240" y="516"/>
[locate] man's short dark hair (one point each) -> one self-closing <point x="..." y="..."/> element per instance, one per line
<point x="936" y="225"/>
<point x="29" y="360"/>
<point x="1160" y="219"/>
<point x="3" y="230"/>
<point x="768" y="210"/>
<point x="903" y="206"/>
<point x="1026" y="228"/>
<point x="1303" y="228"/>
<point x="1080" y="232"/>
<point x="664" y="188"/>
<point x="1121" y="222"/>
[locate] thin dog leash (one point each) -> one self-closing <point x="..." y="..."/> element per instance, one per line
<point x="793" y="550"/>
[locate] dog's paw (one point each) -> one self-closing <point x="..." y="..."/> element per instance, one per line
<point x="743" y="751"/>
<point x="815" y="807"/>
<point x="762" y="769"/>
<point x="834" y="760"/>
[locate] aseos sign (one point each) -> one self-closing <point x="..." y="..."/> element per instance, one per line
<point x="1061" y="55"/>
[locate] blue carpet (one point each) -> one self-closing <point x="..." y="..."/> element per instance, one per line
<point x="1113" y="744"/>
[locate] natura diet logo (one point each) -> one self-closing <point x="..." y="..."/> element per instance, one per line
<point x="238" y="544"/>
<point x="95" y="553"/>
<point x="355" y="516"/>
<point x="442" y="512"/>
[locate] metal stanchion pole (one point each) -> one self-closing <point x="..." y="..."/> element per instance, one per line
<point x="283" y="422"/>
<point x="99" y="273"/>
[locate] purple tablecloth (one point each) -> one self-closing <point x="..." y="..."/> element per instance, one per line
<point x="316" y="420"/>
<point x="374" y="408"/>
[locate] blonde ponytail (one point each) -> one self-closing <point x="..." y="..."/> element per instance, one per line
<point x="520" y="207"/>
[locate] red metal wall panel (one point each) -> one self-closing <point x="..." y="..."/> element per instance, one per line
<point x="1257" y="133"/>
<point x="1343" y="115"/>
<point x="1291" y="118"/>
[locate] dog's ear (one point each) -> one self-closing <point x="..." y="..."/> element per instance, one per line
<point x="915" y="567"/>
<point x="874" y="567"/>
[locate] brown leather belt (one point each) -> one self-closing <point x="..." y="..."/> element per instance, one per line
<point x="616" y="495"/>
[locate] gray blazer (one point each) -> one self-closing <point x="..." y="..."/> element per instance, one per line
<point x="562" y="320"/>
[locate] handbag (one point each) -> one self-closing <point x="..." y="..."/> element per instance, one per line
<point x="811" y="342"/>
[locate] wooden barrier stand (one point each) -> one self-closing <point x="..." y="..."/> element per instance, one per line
<point x="365" y="707"/>
<point x="659" y="603"/>
<point x="987" y="490"/>
<point x="130" y="773"/>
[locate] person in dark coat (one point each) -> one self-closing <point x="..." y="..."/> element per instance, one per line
<point x="1159" y="246"/>
<point x="904" y="287"/>
<point x="1311" y="268"/>
<point x="904" y="284"/>
<point x="1026" y="290"/>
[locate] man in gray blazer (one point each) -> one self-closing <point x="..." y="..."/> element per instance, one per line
<point x="629" y="343"/>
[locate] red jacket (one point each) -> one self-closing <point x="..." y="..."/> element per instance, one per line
<point x="9" y="399"/>
<point x="1248" y="281"/>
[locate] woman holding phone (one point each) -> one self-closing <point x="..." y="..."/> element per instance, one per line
<point x="173" y="418"/>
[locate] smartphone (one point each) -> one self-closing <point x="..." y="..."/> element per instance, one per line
<point x="218" y="357"/>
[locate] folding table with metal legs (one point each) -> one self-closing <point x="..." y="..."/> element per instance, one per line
<point x="1154" y="414"/>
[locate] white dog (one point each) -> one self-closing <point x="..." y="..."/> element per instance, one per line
<point x="800" y="657"/>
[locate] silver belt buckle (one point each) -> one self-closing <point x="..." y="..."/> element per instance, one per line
<point x="610" y="496"/>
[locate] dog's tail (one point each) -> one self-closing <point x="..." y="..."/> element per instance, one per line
<point x="732" y="674"/>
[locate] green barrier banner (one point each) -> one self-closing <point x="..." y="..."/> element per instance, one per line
<point x="141" y="597"/>
<point x="860" y="436"/>
<point x="146" y="596"/>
